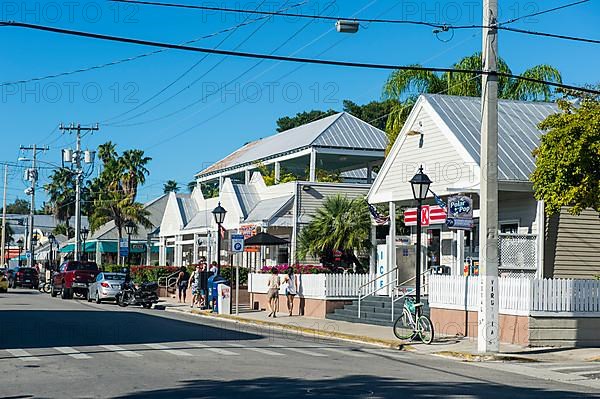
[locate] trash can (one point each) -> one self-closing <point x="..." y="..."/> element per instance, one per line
<point x="213" y="282"/>
<point x="224" y="299"/>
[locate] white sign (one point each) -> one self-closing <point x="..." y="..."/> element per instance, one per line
<point x="224" y="299"/>
<point x="382" y="269"/>
<point x="237" y="243"/>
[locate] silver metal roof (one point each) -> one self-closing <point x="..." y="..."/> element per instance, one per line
<point x="341" y="130"/>
<point x="247" y="196"/>
<point x="201" y="219"/>
<point x="187" y="207"/>
<point x="518" y="134"/>
<point x="267" y="209"/>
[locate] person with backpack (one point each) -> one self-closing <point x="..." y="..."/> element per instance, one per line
<point x="182" y="283"/>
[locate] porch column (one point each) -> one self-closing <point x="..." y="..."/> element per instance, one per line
<point x="313" y="166"/>
<point x="369" y="173"/>
<point x="460" y="252"/>
<point x="195" y="254"/>
<point x="178" y="252"/>
<point x="540" y="221"/>
<point x="221" y="178"/>
<point x="162" y="251"/>
<point x="247" y="174"/>
<point x="98" y="254"/>
<point x="373" y="259"/>
<point x="148" y="250"/>
<point x="277" y="172"/>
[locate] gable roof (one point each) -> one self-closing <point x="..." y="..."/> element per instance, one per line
<point x="518" y="134"/>
<point x="341" y="130"/>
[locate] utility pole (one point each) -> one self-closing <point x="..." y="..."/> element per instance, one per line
<point x="32" y="176"/>
<point x="75" y="158"/>
<point x="488" y="329"/>
<point x="4" y="215"/>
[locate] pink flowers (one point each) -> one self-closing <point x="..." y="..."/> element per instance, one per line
<point x="298" y="269"/>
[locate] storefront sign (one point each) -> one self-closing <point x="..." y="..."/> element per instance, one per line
<point x="430" y="214"/>
<point x="249" y="230"/>
<point x="460" y="213"/>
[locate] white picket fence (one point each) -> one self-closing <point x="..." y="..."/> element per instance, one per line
<point x="315" y="285"/>
<point x="518" y="296"/>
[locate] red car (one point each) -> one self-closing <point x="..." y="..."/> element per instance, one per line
<point x="73" y="277"/>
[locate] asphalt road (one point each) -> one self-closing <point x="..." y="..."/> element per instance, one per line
<point x="53" y="348"/>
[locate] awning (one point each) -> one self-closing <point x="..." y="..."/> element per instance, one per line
<point x="264" y="239"/>
<point x="105" y="247"/>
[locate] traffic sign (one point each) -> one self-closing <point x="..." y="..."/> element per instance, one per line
<point x="237" y="243"/>
<point x="123" y="247"/>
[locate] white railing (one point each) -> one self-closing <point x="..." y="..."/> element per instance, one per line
<point x="314" y="285"/>
<point x="518" y="296"/>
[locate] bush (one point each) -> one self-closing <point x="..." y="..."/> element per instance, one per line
<point x="298" y="269"/>
<point x="227" y="270"/>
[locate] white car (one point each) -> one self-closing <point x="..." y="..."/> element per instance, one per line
<point x="105" y="287"/>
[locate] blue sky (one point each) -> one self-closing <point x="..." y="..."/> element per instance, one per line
<point x="201" y="125"/>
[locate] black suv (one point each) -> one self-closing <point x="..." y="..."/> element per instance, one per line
<point x="23" y="277"/>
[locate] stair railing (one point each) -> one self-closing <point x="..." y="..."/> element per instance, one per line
<point x="374" y="289"/>
<point x="169" y="281"/>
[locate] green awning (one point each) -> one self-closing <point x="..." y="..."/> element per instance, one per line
<point x="68" y="248"/>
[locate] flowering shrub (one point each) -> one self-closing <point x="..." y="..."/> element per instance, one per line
<point x="298" y="269"/>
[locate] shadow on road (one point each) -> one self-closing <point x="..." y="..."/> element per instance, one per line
<point x="50" y="328"/>
<point x="357" y="386"/>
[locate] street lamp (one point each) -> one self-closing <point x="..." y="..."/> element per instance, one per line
<point x="83" y="235"/>
<point x="420" y="187"/>
<point x="129" y="228"/>
<point x="20" y="245"/>
<point x="51" y="240"/>
<point x="219" y="214"/>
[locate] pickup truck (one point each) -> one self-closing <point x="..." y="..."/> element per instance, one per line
<point x="73" y="277"/>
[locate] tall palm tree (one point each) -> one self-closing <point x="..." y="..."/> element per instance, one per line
<point x="341" y="224"/>
<point x="406" y="85"/>
<point x="170" y="185"/>
<point x="61" y="194"/>
<point x="191" y="186"/>
<point x="107" y="152"/>
<point x="134" y="170"/>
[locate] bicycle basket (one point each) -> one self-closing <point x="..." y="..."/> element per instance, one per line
<point x="410" y="305"/>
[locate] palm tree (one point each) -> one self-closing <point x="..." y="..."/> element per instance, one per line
<point x="406" y="85"/>
<point x="107" y="152"/>
<point x="61" y="194"/>
<point x="170" y="186"/>
<point x="341" y="224"/>
<point x="191" y="186"/>
<point x="133" y="163"/>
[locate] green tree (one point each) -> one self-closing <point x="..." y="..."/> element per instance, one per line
<point x="567" y="162"/>
<point x="19" y="207"/>
<point x="191" y="186"/>
<point x="404" y="86"/>
<point x="375" y="112"/>
<point x="341" y="224"/>
<point x="301" y="118"/>
<point x="134" y="171"/>
<point x="170" y="186"/>
<point x="268" y="175"/>
<point x="61" y="195"/>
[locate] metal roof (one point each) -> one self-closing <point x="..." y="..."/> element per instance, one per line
<point x="267" y="209"/>
<point x="247" y="196"/>
<point x="187" y="207"/>
<point x="518" y="134"/>
<point x="341" y="130"/>
<point x="202" y="219"/>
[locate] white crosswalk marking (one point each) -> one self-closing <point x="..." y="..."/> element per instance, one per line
<point x="347" y="352"/>
<point x="298" y="350"/>
<point x="385" y="352"/>
<point x="23" y="355"/>
<point x="121" y="351"/>
<point x="259" y="350"/>
<point x="220" y="351"/>
<point x="166" y="349"/>
<point x="72" y="352"/>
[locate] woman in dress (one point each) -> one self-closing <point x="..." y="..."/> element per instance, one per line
<point x="290" y="290"/>
<point x="273" y="292"/>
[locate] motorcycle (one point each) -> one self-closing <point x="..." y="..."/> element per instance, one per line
<point x="144" y="295"/>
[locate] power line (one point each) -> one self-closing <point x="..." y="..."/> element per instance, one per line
<point x="553" y="35"/>
<point x="510" y="21"/>
<point x="284" y="58"/>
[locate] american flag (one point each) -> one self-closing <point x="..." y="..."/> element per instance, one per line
<point x="439" y="201"/>
<point x="379" y="218"/>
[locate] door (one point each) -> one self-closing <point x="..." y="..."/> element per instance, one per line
<point x="434" y="247"/>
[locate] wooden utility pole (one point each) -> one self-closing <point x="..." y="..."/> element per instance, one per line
<point x="4" y="215"/>
<point x="488" y="329"/>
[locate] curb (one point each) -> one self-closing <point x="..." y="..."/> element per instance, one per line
<point x="303" y="330"/>
<point x="471" y="357"/>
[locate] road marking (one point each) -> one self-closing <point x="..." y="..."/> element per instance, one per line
<point x="587" y="372"/>
<point x="564" y="368"/>
<point x="72" y="352"/>
<point x="298" y="350"/>
<point x="348" y="352"/>
<point x="23" y="355"/>
<point x="215" y="350"/>
<point x="163" y="348"/>
<point x="259" y="350"/>
<point x="121" y="351"/>
<point x="384" y="352"/>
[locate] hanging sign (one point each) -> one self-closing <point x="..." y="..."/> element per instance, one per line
<point x="460" y="213"/>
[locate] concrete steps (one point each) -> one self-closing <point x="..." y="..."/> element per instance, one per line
<point x="373" y="310"/>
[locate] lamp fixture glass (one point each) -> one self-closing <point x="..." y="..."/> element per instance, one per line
<point x="84" y="233"/>
<point x="219" y="214"/>
<point x="420" y="184"/>
<point x="129" y="227"/>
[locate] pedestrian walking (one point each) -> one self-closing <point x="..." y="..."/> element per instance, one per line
<point x="182" y="283"/>
<point x="195" y="284"/>
<point x="273" y="292"/>
<point x="214" y="268"/>
<point x="291" y="283"/>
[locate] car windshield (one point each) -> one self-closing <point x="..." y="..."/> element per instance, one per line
<point x="82" y="266"/>
<point x="114" y="277"/>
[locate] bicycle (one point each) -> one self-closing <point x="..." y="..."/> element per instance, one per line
<point x="411" y="325"/>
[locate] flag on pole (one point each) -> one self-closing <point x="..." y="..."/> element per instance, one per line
<point x="379" y="218"/>
<point x="222" y="231"/>
<point x="439" y="201"/>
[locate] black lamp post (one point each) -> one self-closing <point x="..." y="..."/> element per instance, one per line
<point x="83" y="234"/>
<point x="51" y="240"/>
<point x="420" y="186"/>
<point x="20" y="245"/>
<point x="129" y="228"/>
<point x="219" y="214"/>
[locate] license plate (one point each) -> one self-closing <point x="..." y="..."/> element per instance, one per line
<point x="79" y="285"/>
<point x="28" y="281"/>
<point x="116" y="287"/>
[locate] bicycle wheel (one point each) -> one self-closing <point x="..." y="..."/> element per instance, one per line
<point x="425" y="329"/>
<point x="403" y="329"/>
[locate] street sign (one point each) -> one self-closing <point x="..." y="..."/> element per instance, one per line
<point x="430" y="214"/>
<point x="123" y="247"/>
<point x="237" y="243"/>
<point x="460" y="213"/>
<point x="459" y="224"/>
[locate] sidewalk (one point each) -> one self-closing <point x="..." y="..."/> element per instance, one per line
<point x="456" y="347"/>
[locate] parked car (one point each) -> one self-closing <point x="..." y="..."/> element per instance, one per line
<point x="105" y="287"/>
<point x="23" y="277"/>
<point x="73" y="277"/>
<point x="3" y="281"/>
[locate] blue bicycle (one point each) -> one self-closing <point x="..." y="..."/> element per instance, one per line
<point x="412" y="325"/>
